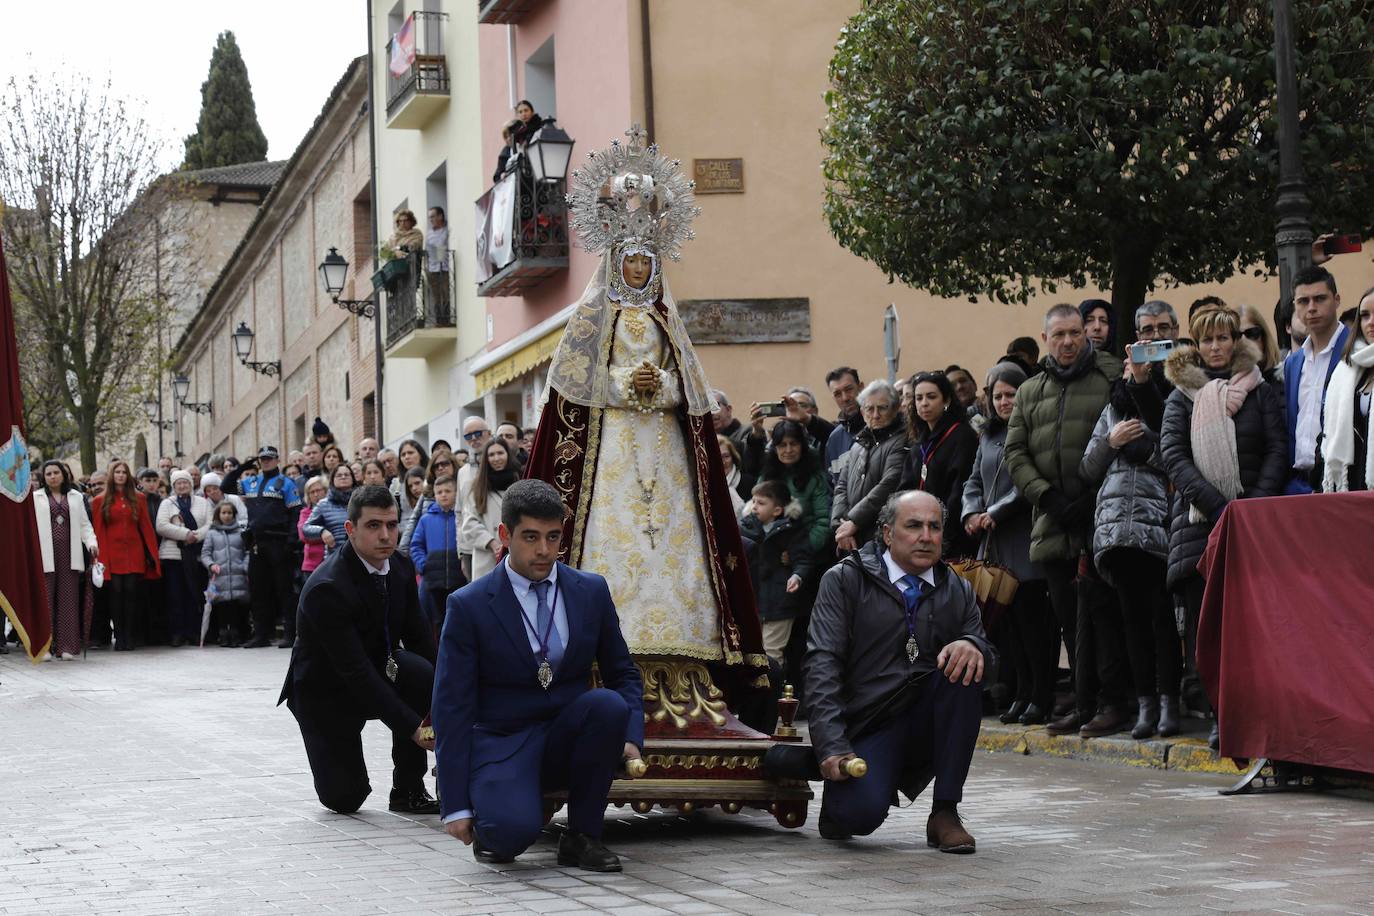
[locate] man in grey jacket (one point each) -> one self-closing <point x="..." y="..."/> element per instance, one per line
<point x="894" y="665"/>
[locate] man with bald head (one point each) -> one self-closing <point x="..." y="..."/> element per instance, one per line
<point x="895" y="660"/>
<point x="367" y="449"/>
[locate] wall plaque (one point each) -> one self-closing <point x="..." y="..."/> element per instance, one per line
<point x="747" y="320"/>
<point x="719" y="176"/>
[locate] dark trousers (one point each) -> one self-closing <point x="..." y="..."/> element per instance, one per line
<point x="269" y="584"/>
<point x="125" y="591"/>
<point x="1152" y="644"/>
<point x="1191" y="589"/>
<point x="334" y="743"/>
<point x="231" y="615"/>
<point x="1060" y="576"/>
<point x="937" y="735"/>
<point x="1101" y="672"/>
<point x="1032" y="644"/>
<point x="580" y="751"/>
<point x="185" y="603"/>
<point x="434" y="602"/>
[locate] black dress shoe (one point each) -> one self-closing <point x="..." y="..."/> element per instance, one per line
<point x="178" y="642"/>
<point x="415" y="802"/>
<point x="483" y="854"/>
<point x="257" y="642"/>
<point x="829" y="830"/>
<point x="1034" y="714"/>
<point x="586" y="852"/>
<point x="1013" y="712"/>
<point x="286" y="644"/>
<point x="1065" y="725"/>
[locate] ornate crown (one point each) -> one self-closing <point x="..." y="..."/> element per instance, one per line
<point x="651" y="203"/>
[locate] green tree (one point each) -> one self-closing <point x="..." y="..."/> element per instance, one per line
<point x="990" y="147"/>
<point x="228" y="132"/>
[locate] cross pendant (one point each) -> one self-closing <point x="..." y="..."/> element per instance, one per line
<point x="652" y="532"/>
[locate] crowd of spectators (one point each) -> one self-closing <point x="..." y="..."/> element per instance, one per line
<point x="1093" y="473"/>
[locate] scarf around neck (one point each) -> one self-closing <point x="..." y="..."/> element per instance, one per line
<point x="1213" y="429"/>
<point x="1338" y="426"/>
<point x="1077" y="368"/>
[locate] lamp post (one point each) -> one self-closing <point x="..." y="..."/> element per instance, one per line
<point x="1293" y="231"/>
<point x="181" y="387"/>
<point x="333" y="274"/>
<point x="152" y="406"/>
<point x="243" y="347"/>
<point x="549" y="152"/>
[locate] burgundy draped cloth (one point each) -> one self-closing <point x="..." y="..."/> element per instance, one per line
<point x="1285" y="641"/>
<point x="559" y="456"/>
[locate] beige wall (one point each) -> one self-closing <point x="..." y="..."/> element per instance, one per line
<point x="273" y="285"/>
<point x="762" y="98"/>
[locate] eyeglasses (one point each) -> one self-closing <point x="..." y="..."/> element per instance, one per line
<point x="876" y="408"/>
<point x="1255" y="334"/>
<point x="1152" y="331"/>
<point x="474" y="435"/>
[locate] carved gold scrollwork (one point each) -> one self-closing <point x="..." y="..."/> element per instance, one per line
<point x="680" y="691"/>
<point x="709" y="762"/>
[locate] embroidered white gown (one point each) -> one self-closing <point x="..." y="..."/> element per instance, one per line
<point x="643" y="533"/>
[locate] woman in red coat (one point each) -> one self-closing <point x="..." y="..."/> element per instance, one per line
<point x="128" y="548"/>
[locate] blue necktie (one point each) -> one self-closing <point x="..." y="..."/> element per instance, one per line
<point x="912" y="589"/>
<point x="543" y="616"/>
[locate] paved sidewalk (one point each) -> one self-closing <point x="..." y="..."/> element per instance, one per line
<point x="165" y="781"/>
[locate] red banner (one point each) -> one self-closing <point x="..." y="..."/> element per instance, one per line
<point x="23" y="592"/>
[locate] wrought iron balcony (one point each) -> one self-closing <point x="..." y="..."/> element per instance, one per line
<point x="503" y="12"/>
<point x="524" y="237"/>
<point x="417" y="79"/>
<point x="419" y="304"/>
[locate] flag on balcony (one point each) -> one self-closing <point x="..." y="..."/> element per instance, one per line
<point x="403" y="48"/>
<point x="23" y="592"/>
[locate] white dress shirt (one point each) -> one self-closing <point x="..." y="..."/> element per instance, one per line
<point x="529" y="603"/>
<point x="1311" y="388"/>
<point x="895" y="572"/>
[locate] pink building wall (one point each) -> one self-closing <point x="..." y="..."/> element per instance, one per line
<point x="593" y="86"/>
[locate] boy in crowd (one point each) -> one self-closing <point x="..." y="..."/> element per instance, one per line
<point x="434" y="551"/>
<point x="779" y="562"/>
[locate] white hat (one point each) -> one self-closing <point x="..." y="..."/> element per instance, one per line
<point x="179" y="474"/>
<point x="211" y="480"/>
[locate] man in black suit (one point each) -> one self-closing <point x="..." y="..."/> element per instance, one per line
<point x="894" y="666"/>
<point x="363" y="651"/>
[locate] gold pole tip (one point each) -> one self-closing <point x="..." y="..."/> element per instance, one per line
<point x="636" y="768"/>
<point x="856" y="767"/>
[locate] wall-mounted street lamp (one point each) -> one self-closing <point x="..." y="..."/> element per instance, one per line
<point x="152" y="408"/>
<point x="333" y="273"/>
<point x="243" y="348"/>
<point x="549" y="152"/>
<point x="181" y="387"/>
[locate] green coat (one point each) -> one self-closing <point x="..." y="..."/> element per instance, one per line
<point x="814" y="496"/>
<point x="1049" y="430"/>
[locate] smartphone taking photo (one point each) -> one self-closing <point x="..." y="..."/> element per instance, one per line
<point x="1151" y="351"/>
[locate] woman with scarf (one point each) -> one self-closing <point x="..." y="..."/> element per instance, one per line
<point x="128" y="548"/>
<point x="1347" y="460"/>
<point x="1223" y="438"/>
<point x="943" y="446"/>
<point x="183" y="520"/>
<point x="481" y="510"/>
<point x="326" y="522"/>
<point x="65" y="534"/>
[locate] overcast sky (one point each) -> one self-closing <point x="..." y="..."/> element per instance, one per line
<point x="159" y="53"/>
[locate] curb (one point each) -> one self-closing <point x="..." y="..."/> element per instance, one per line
<point x="1185" y="755"/>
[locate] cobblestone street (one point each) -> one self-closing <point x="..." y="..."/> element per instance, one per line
<point x="164" y="781"/>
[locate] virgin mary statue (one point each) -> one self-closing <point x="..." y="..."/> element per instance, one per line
<point x="626" y="436"/>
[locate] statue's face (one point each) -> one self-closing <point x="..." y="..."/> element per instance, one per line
<point x="636" y="269"/>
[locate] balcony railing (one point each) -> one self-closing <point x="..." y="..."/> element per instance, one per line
<point x="416" y="297"/>
<point x="503" y="12"/>
<point x="417" y="78"/>
<point x="524" y="237"/>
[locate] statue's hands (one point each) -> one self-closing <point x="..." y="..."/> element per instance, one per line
<point x="645" y="380"/>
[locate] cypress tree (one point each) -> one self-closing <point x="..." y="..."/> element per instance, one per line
<point x="228" y="131"/>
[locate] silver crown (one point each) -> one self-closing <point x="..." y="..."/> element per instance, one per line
<point x="651" y="202"/>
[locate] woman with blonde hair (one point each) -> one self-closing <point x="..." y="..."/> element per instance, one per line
<point x="1254" y="329"/>
<point x="1223" y="438"/>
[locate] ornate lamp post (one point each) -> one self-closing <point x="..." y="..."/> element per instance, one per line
<point x="550" y="151"/>
<point x="1293" y="232"/>
<point x="181" y="387"/>
<point x="243" y="347"/>
<point x="333" y="274"/>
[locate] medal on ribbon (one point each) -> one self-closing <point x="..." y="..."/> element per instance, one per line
<point x="391" y="669"/>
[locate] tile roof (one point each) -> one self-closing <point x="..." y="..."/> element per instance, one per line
<point x="244" y="175"/>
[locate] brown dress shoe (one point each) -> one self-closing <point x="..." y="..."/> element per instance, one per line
<point x="946" y="832"/>
<point x="1108" y="721"/>
<point x="1065" y="725"/>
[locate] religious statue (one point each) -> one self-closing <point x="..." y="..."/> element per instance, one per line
<point x="626" y="437"/>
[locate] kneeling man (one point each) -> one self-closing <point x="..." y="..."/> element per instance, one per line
<point x="363" y="651"/>
<point x="884" y="617"/>
<point x="515" y="714"/>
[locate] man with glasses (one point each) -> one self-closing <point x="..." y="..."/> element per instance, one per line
<point x="476" y="435"/>
<point x="873" y="469"/>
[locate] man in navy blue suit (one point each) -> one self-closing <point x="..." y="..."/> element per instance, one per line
<point x="514" y="711"/>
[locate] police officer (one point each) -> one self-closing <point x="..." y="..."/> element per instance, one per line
<point x="273" y="506"/>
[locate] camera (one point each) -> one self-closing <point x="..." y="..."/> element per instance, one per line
<point x="772" y="409"/>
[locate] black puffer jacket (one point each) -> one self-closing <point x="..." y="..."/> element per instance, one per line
<point x="946" y="456"/>
<point x="1261" y="446"/>
<point x="869" y="475"/>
